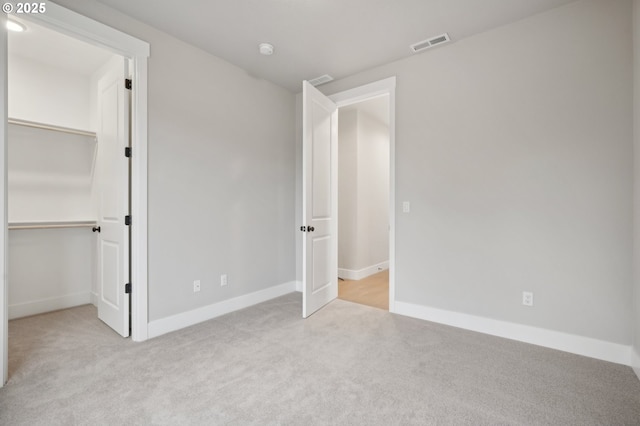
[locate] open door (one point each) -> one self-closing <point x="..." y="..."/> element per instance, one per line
<point x="319" y="200"/>
<point x="113" y="240"/>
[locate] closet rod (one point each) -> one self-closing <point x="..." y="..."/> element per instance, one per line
<point x="50" y="127"/>
<point x="53" y="226"/>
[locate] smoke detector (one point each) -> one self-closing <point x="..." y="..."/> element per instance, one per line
<point x="429" y="43"/>
<point x="266" y="49"/>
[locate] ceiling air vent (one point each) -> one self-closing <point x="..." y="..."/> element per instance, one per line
<point x="426" y="44"/>
<point x="320" y="80"/>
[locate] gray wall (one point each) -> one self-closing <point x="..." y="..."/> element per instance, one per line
<point x="515" y="149"/>
<point x="221" y="173"/>
<point x="347" y="189"/>
<point x="373" y="191"/>
<point x="363" y="191"/>
<point x="636" y="216"/>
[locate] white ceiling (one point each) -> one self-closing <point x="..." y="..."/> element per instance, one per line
<point x="45" y="46"/>
<point x="315" y="37"/>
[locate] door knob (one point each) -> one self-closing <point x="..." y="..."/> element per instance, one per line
<point x="311" y="228"/>
<point x="96" y="229"/>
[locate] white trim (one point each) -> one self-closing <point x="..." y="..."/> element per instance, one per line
<point x="81" y="27"/>
<point x="580" y="345"/>
<point x="358" y="94"/>
<point x="94" y="299"/>
<point x="195" y="316"/>
<point x="365" y="92"/>
<point x="298" y="286"/>
<point x="359" y="274"/>
<point x="139" y="251"/>
<point x="4" y="290"/>
<point x="42" y="306"/>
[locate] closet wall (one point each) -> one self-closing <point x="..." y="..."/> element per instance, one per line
<point x="51" y="180"/>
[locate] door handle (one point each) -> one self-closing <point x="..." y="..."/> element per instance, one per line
<point x="311" y="228"/>
<point x="96" y="229"/>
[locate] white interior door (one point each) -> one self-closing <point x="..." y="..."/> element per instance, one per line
<point x="113" y="190"/>
<point x="319" y="200"/>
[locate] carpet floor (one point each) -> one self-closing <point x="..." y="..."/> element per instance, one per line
<point x="347" y="364"/>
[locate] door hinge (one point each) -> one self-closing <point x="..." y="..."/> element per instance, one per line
<point x="127" y="220"/>
<point x="303" y="228"/>
<point x="127" y="151"/>
<point x="127" y="288"/>
<point x="127" y="83"/>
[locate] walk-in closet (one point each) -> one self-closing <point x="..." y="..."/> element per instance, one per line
<point x="55" y="165"/>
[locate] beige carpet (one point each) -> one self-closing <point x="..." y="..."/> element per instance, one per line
<point x="348" y="364"/>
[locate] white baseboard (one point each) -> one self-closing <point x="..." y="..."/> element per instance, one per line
<point x="594" y="348"/>
<point x="186" y="319"/>
<point x="41" y="306"/>
<point x="635" y="362"/>
<point x="350" y="274"/>
<point x="94" y="299"/>
<point x="299" y="286"/>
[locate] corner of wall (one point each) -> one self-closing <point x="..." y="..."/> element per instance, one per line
<point x="636" y="165"/>
<point x="205" y="313"/>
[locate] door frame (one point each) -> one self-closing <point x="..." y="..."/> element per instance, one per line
<point x="363" y="93"/>
<point x="86" y="29"/>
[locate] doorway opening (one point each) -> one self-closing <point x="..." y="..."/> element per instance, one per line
<point x="363" y="202"/>
<point x="319" y="227"/>
<point x="65" y="124"/>
<point x="64" y="21"/>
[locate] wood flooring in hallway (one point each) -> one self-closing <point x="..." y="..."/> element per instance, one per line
<point x="370" y="291"/>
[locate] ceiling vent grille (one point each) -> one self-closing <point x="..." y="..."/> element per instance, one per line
<point x="432" y="42"/>
<point x="320" y="80"/>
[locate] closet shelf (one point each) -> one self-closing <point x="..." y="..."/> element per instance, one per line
<point x="52" y="224"/>
<point x="44" y="126"/>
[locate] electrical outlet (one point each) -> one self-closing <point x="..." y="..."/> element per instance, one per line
<point x="527" y="298"/>
<point x="196" y="286"/>
<point x="223" y="280"/>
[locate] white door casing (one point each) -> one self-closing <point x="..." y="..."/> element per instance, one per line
<point x="319" y="200"/>
<point x="385" y="87"/>
<point x="81" y="27"/>
<point x="113" y="189"/>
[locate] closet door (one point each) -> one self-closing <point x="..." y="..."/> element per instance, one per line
<point x="113" y="245"/>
